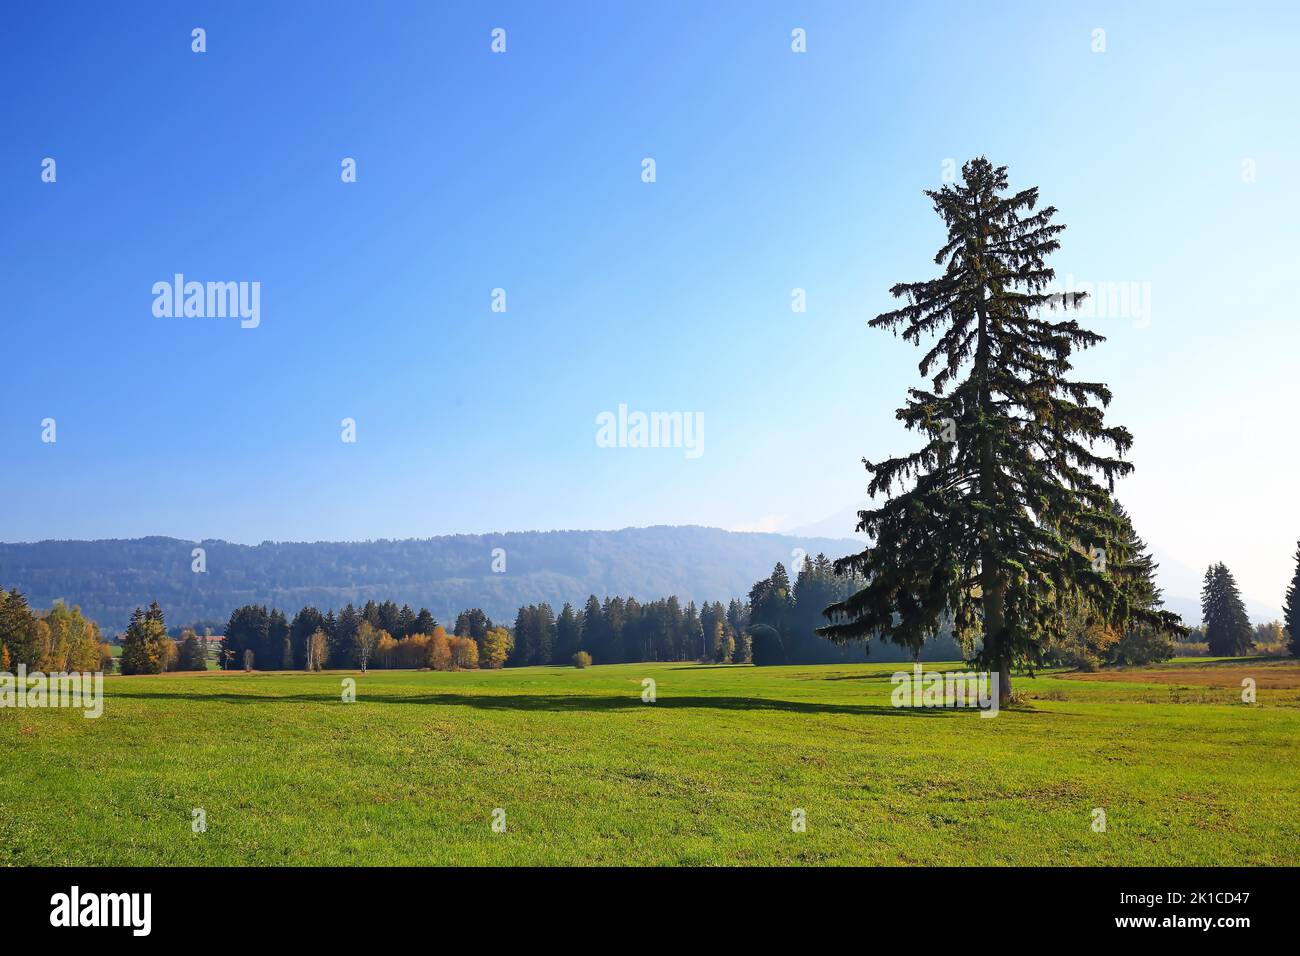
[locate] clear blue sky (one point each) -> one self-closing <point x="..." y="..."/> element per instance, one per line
<point x="522" y="171"/>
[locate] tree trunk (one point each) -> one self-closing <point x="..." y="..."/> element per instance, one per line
<point x="993" y="586"/>
<point x="996" y="649"/>
<point x="1004" y="683"/>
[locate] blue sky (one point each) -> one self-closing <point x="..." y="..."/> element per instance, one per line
<point x="522" y="171"/>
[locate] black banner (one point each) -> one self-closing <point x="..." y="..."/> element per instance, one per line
<point x="141" y="906"/>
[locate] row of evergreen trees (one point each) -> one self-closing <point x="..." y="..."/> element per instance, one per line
<point x="625" y="630"/>
<point x="784" y="618"/>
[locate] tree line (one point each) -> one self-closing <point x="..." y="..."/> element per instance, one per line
<point x="610" y="631"/>
<point x="778" y="624"/>
<point x="59" y="640"/>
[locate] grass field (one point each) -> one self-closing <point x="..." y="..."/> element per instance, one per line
<point x="708" y="774"/>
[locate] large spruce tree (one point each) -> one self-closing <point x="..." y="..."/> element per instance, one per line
<point x="1291" y="609"/>
<point x="1004" y="514"/>
<point x="1227" y="625"/>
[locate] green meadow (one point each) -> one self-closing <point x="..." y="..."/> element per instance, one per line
<point x="710" y="773"/>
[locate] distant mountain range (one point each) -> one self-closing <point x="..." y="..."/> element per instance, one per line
<point x="109" y="578"/>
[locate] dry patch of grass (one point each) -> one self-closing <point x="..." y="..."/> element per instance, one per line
<point x="1268" y="674"/>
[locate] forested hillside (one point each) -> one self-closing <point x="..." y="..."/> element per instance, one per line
<point x="110" y="578"/>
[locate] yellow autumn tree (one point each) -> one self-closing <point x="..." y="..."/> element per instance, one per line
<point x="464" y="653"/>
<point x="496" y="648"/>
<point x="413" y="651"/>
<point x="439" y="649"/>
<point x="385" y="650"/>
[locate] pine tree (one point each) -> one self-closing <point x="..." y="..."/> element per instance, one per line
<point x="276" y="647"/>
<point x="193" y="657"/>
<point x="627" y="629"/>
<point x="18" y="632"/>
<point x="1227" y="625"/>
<point x="142" y="645"/>
<point x="694" y="630"/>
<point x="1005" y="513"/>
<point x="1134" y="569"/>
<point x="405" y="622"/>
<point x="545" y="635"/>
<point x="594" y="639"/>
<point x="738" y="622"/>
<point x="1291" y="610"/>
<point x="426" y="622"/>
<point x="343" y="646"/>
<point x="524" y="651"/>
<point x="568" y="635"/>
<point x="671" y="643"/>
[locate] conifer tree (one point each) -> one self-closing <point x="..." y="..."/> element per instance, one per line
<point x="142" y="648"/>
<point x="738" y="623"/>
<point x="568" y="635"/>
<point x="426" y="622"/>
<point x="534" y="640"/>
<point x="18" y="632"/>
<point x="343" y="638"/>
<point x="1134" y="568"/>
<point x="193" y="657"/>
<point x="594" y="638"/>
<point x="1000" y="517"/>
<point x="405" y="622"/>
<point x="1291" y="609"/>
<point x="695" y="630"/>
<point x="1227" y="625"/>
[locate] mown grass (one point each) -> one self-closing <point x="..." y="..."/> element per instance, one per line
<point x="709" y="774"/>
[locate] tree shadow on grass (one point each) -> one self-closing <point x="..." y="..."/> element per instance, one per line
<point x="887" y="678"/>
<point x="565" y="703"/>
